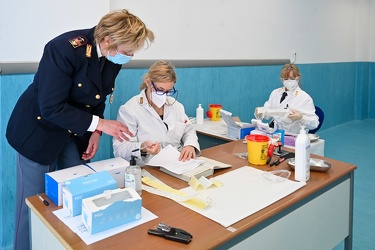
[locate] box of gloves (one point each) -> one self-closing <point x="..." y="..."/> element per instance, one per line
<point x="86" y="186"/>
<point x="54" y="181"/>
<point x="115" y="166"/>
<point x="111" y="209"/>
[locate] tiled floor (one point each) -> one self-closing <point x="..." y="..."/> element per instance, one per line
<point x="354" y="142"/>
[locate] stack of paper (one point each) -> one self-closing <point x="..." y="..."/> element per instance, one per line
<point x="168" y="161"/>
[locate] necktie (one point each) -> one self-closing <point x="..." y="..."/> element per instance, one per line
<point x="283" y="97"/>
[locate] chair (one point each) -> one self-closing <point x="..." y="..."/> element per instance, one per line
<point x="319" y="112"/>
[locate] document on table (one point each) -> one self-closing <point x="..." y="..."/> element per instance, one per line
<point x="245" y="191"/>
<point x="76" y="225"/>
<point x="168" y="159"/>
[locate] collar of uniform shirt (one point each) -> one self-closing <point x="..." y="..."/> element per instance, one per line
<point x="98" y="51"/>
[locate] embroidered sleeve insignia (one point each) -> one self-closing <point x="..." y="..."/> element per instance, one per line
<point x="78" y="41"/>
<point x="88" y="50"/>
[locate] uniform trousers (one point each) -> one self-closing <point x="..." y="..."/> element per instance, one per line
<point x="30" y="181"/>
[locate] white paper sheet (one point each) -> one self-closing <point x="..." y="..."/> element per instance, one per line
<point x="245" y="192"/>
<point x="168" y="159"/>
<point x="77" y="226"/>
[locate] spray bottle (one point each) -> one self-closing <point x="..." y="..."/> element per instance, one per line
<point x="199" y="115"/>
<point x="133" y="176"/>
<point x="302" y="157"/>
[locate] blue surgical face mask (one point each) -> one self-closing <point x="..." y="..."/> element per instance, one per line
<point x="119" y="58"/>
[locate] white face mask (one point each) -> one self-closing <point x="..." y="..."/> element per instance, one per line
<point x="291" y="85"/>
<point x="158" y="100"/>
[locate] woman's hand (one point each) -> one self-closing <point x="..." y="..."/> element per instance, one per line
<point x="151" y="148"/>
<point x="187" y="153"/>
<point x="115" y="129"/>
<point x="295" y="115"/>
<point x="92" y="148"/>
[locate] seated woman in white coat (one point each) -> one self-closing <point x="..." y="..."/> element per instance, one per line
<point x="156" y="119"/>
<point x="293" y="98"/>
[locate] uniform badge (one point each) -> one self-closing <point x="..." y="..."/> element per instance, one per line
<point x="88" y="50"/>
<point x="78" y="41"/>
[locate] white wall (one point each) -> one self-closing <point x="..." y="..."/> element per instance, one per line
<point x="318" y="31"/>
<point x="26" y="26"/>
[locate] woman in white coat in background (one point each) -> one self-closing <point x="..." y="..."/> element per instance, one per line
<point x="292" y="97"/>
<point x="156" y="119"/>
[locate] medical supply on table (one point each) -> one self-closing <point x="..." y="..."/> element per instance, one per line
<point x="114" y="166"/>
<point x="199" y="114"/>
<point x="214" y="112"/>
<point x="110" y="209"/>
<point x="133" y="178"/>
<point x="171" y="233"/>
<point x="257" y="147"/>
<point x="277" y="175"/>
<point x="235" y="130"/>
<point x="83" y="187"/>
<point x="43" y="200"/>
<point x="302" y="158"/>
<point x="315" y="164"/>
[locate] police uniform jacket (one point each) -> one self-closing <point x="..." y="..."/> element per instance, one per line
<point x="68" y="89"/>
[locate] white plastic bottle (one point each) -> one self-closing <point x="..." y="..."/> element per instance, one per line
<point x="302" y="156"/>
<point x="199" y="115"/>
<point x="133" y="176"/>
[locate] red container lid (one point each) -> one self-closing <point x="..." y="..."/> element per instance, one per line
<point x="215" y="106"/>
<point x="257" y="138"/>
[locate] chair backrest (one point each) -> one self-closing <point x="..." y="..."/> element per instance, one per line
<point x="319" y="112"/>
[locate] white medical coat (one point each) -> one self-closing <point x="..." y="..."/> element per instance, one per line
<point x="146" y="125"/>
<point x="299" y="100"/>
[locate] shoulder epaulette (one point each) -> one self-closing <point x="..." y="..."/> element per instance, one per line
<point x="78" y="41"/>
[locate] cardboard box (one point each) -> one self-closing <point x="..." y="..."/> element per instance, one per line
<point x="54" y="181"/>
<point x="115" y="166"/>
<point x="236" y="130"/>
<point x="111" y="209"/>
<point x="86" y="186"/>
<point x="238" y="133"/>
<point x="277" y="134"/>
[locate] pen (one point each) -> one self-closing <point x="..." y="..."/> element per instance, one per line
<point x="279" y="161"/>
<point x="44" y="201"/>
<point x="274" y="163"/>
<point x="137" y="149"/>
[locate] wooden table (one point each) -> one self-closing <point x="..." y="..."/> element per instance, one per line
<point x="317" y="216"/>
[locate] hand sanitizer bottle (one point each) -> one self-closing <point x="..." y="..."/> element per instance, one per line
<point x="199" y="115"/>
<point x="302" y="157"/>
<point x="133" y="176"/>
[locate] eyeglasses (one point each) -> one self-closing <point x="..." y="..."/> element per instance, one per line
<point x="162" y="92"/>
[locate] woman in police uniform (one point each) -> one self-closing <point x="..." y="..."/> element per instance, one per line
<point x="58" y="120"/>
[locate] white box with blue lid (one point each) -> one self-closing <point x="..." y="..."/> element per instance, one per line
<point x="111" y="209"/>
<point x="236" y="130"/>
<point x="54" y="181"/>
<point x="77" y="189"/>
<point x="115" y="166"/>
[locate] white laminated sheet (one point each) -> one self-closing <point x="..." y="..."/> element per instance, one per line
<point x="245" y="192"/>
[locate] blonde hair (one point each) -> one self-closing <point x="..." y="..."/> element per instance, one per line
<point x="160" y="71"/>
<point x="290" y="67"/>
<point x="122" y="27"/>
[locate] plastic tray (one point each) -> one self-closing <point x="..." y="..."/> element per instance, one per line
<point x="315" y="164"/>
